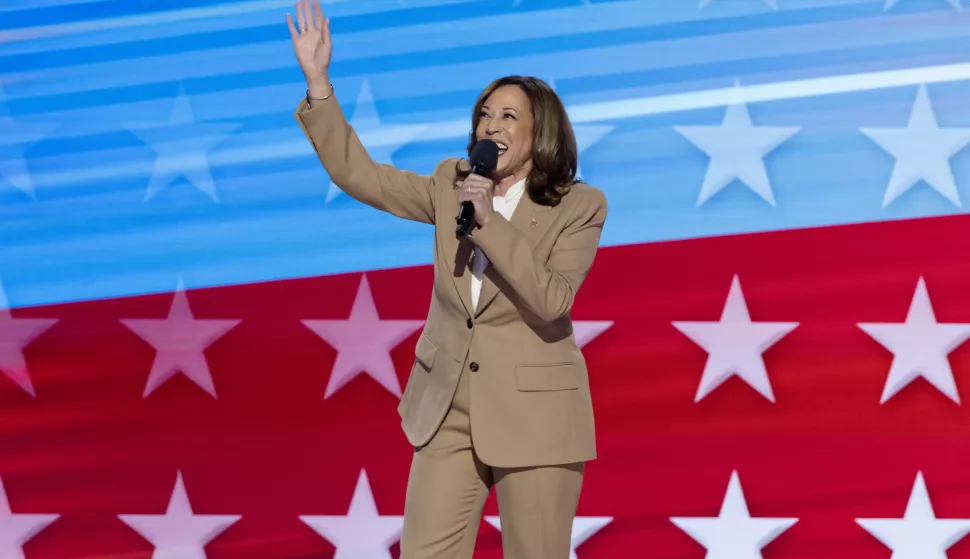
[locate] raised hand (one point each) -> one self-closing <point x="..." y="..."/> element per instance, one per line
<point x="311" y="43"/>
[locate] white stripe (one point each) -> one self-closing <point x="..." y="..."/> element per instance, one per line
<point x="579" y="114"/>
<point x="794" y="89"/>
<point x="21" y="5"/>
<point x="175" y="16"/>
<point x="142" y="19"/>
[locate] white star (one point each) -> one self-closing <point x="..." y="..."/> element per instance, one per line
<point x="771" y="3"/>
<point x="583" y="528"/>
<point x="17" y="529"/>
<point x="362" y="533"/>
<point x="735" y="345"/>
<point x="15" y="138"/>
<point x="957" y="5"/>
<point x="737" y="150"/>
<point x="922" y="150"/>
<point x="919" y="534"/>
<point x="179" y="533"/>
<point x="379" y="140"/>
<point x="363" y="343"/>
<point x="733" y="533"/>
<point x="920" y="346"/>
<point x="586" y="136"/>
<point x="15" y="334"/>
<point x="586" y="331"/>
<point x="181" y="145"/>
<point x="180" y="341"/>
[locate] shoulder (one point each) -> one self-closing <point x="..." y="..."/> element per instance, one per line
<point x="449" y="168"/>
<point x="585" y="200"/>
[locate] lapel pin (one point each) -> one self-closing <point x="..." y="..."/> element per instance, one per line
<point x="534" y="222"/>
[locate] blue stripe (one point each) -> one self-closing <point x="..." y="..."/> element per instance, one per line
<point x="90" y="233"/>
<point x="72" y="13"/>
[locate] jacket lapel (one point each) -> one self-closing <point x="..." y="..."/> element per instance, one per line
<point x="532" y="220"/>
<point x="463" y="251"/>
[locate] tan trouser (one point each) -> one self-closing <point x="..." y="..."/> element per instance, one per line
<point x="448" y="487"/>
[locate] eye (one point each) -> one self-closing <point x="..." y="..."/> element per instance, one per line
<point x="482" y="114"/>
<point x="510" y="115"/>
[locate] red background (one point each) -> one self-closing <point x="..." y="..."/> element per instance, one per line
<point x="271" y="448"/>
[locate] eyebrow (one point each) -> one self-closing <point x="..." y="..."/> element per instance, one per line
<point x="503" y="108"/>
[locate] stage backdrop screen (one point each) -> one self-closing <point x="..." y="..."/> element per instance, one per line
<point x="204" y="341"/>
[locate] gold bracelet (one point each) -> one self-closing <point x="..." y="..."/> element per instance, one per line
<point x="308" y="98"/>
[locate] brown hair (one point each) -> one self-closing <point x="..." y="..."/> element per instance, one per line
<point x="554" y="152"/>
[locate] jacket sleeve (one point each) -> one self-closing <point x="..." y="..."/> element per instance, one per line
<point x="402" y="193"/>
<point x="548" y="288"/>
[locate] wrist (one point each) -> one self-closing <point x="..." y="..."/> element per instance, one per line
<point x="318" y="86"/>
<point x="485" y="219"/>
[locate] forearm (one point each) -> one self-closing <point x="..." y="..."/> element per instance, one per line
<point x="546" y="288"/>
<point x="543" y="291"/>
<point x="339" y="149"/>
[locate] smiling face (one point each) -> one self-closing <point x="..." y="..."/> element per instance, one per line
<point x="506" y="119"/>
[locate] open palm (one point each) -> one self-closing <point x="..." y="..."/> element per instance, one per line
<point x="311" y="42"/>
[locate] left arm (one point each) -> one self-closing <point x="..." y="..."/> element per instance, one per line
<point x="547" y="289"/>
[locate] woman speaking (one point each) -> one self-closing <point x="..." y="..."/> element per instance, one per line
<point x="498" y="395"/>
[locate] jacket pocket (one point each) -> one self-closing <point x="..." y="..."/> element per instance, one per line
<point x="425" y="352"/>
<point x="546" y="377"/>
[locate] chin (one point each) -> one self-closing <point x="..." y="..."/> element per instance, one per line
<point x="502" y="171"/>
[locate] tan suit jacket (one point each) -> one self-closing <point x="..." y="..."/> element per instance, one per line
<point x="530" y="400"/>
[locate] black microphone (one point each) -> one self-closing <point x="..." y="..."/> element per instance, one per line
<point x="484" y="158"/>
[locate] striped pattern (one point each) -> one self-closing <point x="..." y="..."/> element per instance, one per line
<point x="104" y="104"/>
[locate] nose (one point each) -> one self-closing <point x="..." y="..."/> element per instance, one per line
<point x="490" y="127"/>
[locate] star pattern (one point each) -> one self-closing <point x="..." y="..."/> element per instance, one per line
<point x="181" y="145"/>
<point x="363" y="343"/>
<point x="15" y="335"/>
<point x="735" y="344"/>
<point x="17" y="529"/>
<point x="584" y="527"/>
<point x="362" y="533"/>
<point x="919" y="534"/>
<point x="380" y="140"/>
<point x="737" y="149"/>
<point x="179" y="533"/>
<point x="15" y="137"/>
<point x="180" y="341"/>
<point x="586" y="331"/>
<point x="922" y="150"/>
<point x="733" y="533"/>
<point x="920" y="346"/>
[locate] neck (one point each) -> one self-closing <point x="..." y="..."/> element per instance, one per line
<point x="506" y="182"/>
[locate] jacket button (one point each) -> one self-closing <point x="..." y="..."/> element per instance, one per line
<point x="473" y="367"/>
<point x="469" y="323"/>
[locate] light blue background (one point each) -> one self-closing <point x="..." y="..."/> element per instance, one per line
<point x="99" y="80"/>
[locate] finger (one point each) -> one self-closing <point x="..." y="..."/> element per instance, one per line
<point x="307" y="15"/>
<point x="326" y="30"/>
<point x="482" y="189"/>
<point x="289" y="23"/>
<point x="480" y="182"/>
<point x="473" y="182"/>
<point x="317" y="15"/>
<point x="300" y="16"/>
